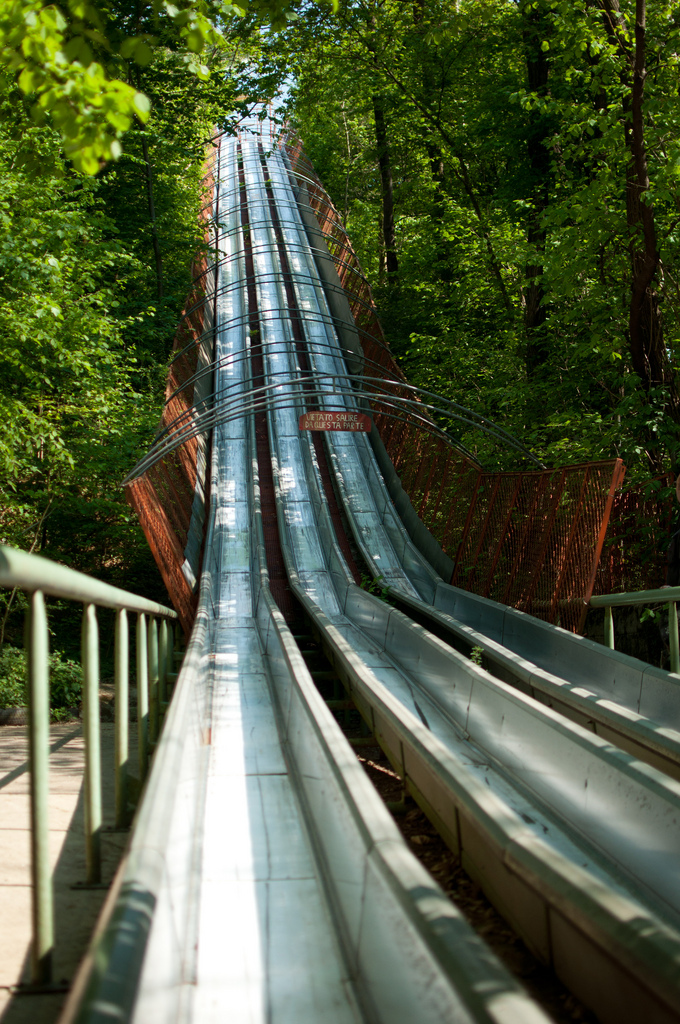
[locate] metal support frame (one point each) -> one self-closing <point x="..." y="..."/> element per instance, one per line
<point x="93" y="767"/>
<point x="673" y="636"/>
<point x="152" y="661"/>
<point x="36" y="643"/>
<point x="162" y="663"/>
<point x="121" y="716"/>
<point x="142" y="698"/>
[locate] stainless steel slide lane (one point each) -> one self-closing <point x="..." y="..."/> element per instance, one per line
<point x="605" y="772"/>
<point x="384" y="543"/>
<point x="428" y="662"/>
<point x="642" y="688"/>
<point x="256" y="867"/>
<point x="605" y="701"/>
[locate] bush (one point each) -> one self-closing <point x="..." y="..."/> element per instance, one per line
<point x="12" y="677"/>
<point x="66" y="681"/>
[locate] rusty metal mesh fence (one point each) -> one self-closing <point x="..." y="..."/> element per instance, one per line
<point x="528" y="539"/>
<point x="634" y="555"/>
<point x="164" y="496"/>
<point x="531" y="539"/>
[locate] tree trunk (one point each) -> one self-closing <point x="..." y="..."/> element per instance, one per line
<point x="382" y="262"/>
<point x="645" y="328"/>
<point x="535" y="312"/>
<point x="152" y="215"/>
<point x="384" y="162"/>
<point x="644" y="324"/>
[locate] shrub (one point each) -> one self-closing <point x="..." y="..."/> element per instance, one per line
<point x="66" y="681"/>
<point x="12" y="677"/>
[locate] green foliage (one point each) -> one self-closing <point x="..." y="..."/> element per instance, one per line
<point x="84" y="334"/>
<point x="94" y="274"/>
<point x="76" y="63"/>
<point x="66" y="681"/>
<point x="13" y="678"/>
<point x="476" y="655"/>
<point x="71" y="418"/>
<point x="493" y="165"/>
<point x="658" y="614"/>
<point x="53" y="54"/>
<point x="374" y="585"/>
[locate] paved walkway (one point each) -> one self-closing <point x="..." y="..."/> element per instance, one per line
<point x="75" y="910"/>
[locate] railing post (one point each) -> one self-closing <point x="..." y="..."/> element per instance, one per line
<point x="152" y="652"/>
<point x="93" y="767"/>
<point x="170" y="664"/>
<point x="142" y="698"/>
<point x="122" y="654"/>
<point x="162" y="662"/>
<point x="36" y="644"/>
<point x="673" y="636"/>
<point x="609" y="627"/>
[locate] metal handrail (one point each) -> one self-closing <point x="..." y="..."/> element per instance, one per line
<point x="155" y="644"/>
<point x="31" y="572"/>
<point x="663" y="595"/>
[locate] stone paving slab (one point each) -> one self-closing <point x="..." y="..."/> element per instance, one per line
<point x="76" y="910"/>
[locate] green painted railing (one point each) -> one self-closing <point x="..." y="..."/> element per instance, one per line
<point x="39" y="577"/>
<point x="666" y="595"/>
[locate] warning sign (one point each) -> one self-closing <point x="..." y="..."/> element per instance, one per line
<point x="335" y="421"/>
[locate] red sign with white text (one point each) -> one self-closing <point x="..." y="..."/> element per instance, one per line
<point x="335" y="421"/>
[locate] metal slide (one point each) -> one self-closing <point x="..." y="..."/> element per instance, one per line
<point x="265" y="880"/>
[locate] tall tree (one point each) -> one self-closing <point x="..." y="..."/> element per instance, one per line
<point x="536" y="32"/>
<point x="387" y="187"/>
<point x="645" y="325"/>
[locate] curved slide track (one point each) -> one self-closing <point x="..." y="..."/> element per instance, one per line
<point x="265" y="880"/>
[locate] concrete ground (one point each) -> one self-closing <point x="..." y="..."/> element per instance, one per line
<point x="76" y="910"/>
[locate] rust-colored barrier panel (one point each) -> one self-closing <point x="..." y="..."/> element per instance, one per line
<point x="533" y="540"/>
<point x="163" y="497"/>
<point x="166" y="547"/>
